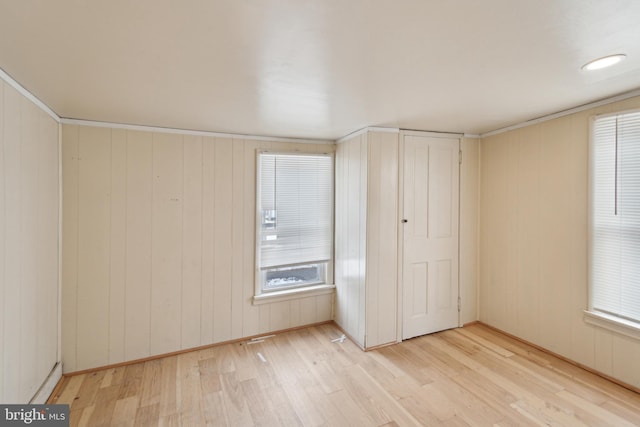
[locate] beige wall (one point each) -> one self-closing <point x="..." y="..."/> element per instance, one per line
<point x="533" y="222"/>
<point x="29" y="196"/>
<point x="158" y="254"/>
<point x="469" y="224"/>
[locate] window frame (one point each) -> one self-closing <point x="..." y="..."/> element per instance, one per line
<point x="285" y="293"/>
<point x="610" y="321"/>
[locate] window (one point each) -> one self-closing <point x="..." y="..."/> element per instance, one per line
<point x="615" y="221"/>
<point x="294" y="221"/>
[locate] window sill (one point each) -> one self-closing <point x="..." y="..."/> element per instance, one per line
<point x="290" y="294"/>
<point x="613" y="323"/>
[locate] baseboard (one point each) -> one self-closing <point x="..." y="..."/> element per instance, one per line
<point x="188" y="350"/>
<point x="346" y="334"/>
<point x="566" y="359"/>
<point x="46" y="389"/>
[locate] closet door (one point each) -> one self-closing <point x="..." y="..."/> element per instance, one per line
<point x="430" y="234"/>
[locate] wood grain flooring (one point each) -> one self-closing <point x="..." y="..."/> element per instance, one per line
<point x="473" y="376"/>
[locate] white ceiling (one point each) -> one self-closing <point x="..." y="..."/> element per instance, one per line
<point x="318" y="68"/>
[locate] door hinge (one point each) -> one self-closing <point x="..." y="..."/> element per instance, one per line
<point x="460" y="156"/>
<point x="458" y="304"/>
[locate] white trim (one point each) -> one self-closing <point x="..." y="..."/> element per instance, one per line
<point x="382" y="129"/>
<point x="365" y="130"/>
<point x="60" y="189"/>
<point x="352" y="135"/>
<point x="460" y="302"/>
<point x="471" y="135"/>
<point x="563" y="113"/>
<point x="613" y="323"/>
<point x="296" y="293"/>
<point x="158" y="129"/>
<point x="31" y="97"/>
<point x="615" y="113"/>
<point x="257" y="285"/>
<point x="400" y="245"/>
<point x="432" y="134"/>
<point x="48" y="386"/>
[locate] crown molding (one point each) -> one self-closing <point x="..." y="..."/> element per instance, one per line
<point x="31" y="97"/>
<point x="365" y="130"/>
<point x="601" y="102"/>
<point x="157" y="129"/>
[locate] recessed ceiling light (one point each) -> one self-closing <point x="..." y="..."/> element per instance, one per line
<point x="607" y="61"/>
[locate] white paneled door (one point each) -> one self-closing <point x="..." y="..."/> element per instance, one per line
<point x="430" y="234"/>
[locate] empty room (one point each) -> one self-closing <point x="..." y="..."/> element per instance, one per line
<point x="306" y="213"/>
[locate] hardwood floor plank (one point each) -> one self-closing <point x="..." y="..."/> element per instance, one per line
<point x="148" y="415"/>
<point x="485" y="343"/>
<point x="264" y="372"/>
<point x="466" y="405"/>
<point x="623" y="410"/>
<point x="282" y="407"/>
<point x="74" y="417"/>
<point x="70" y="389"/>
<point x="604" y="417"/>
<point x="493" y="396"/>
<point x="246" y="367"/>
<point x="311" y="405"/>
<point x="351" y="412"/>
<point x="380" y="405"/>
<point x="470" y="377"/>
<point x="172" y="420"/>
<point x="258" y="403"/>
<point x="125" y="412"/>
<point x="168" y="390"/>
<point x="87" y="393"/>
<point x="590" y="393"/>
<point x="209" y="376"/>
<point x="85" y="416"/>
<point x="436" y="358"/>
<point x="151" y="376"/>
<point x="320" y="364"/>
<point x="234" y="400"/>
<point x="104" y="405"/>
<point x="415" y="406"/>
<point x="132" y="381"/>
<point x="190" y="391"/>
<point x="213" y="409"/>
<point x="405" y="359"/>
<point x="398" y="387"/>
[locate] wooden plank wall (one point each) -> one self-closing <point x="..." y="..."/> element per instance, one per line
<point x="351" y="239"/>
<point x="382" y="239"/>
<point x="159" y="245"/>
<point x="29" y="203"/>
<point x="367" y="237"/>
<point x="533" y="236"/>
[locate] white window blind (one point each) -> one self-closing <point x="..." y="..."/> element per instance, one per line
<point x="295" y="197"/>
<point x="615" y="216"/>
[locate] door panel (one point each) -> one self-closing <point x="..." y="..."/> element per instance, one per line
<point x="419" y="298"/>
<point x="430" y="235"/>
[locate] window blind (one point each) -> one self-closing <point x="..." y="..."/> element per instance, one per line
<point x="296" y="209"/>
<point x="615" y="216"/>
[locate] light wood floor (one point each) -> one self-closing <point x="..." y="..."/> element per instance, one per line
<point x="465" y="377"/>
